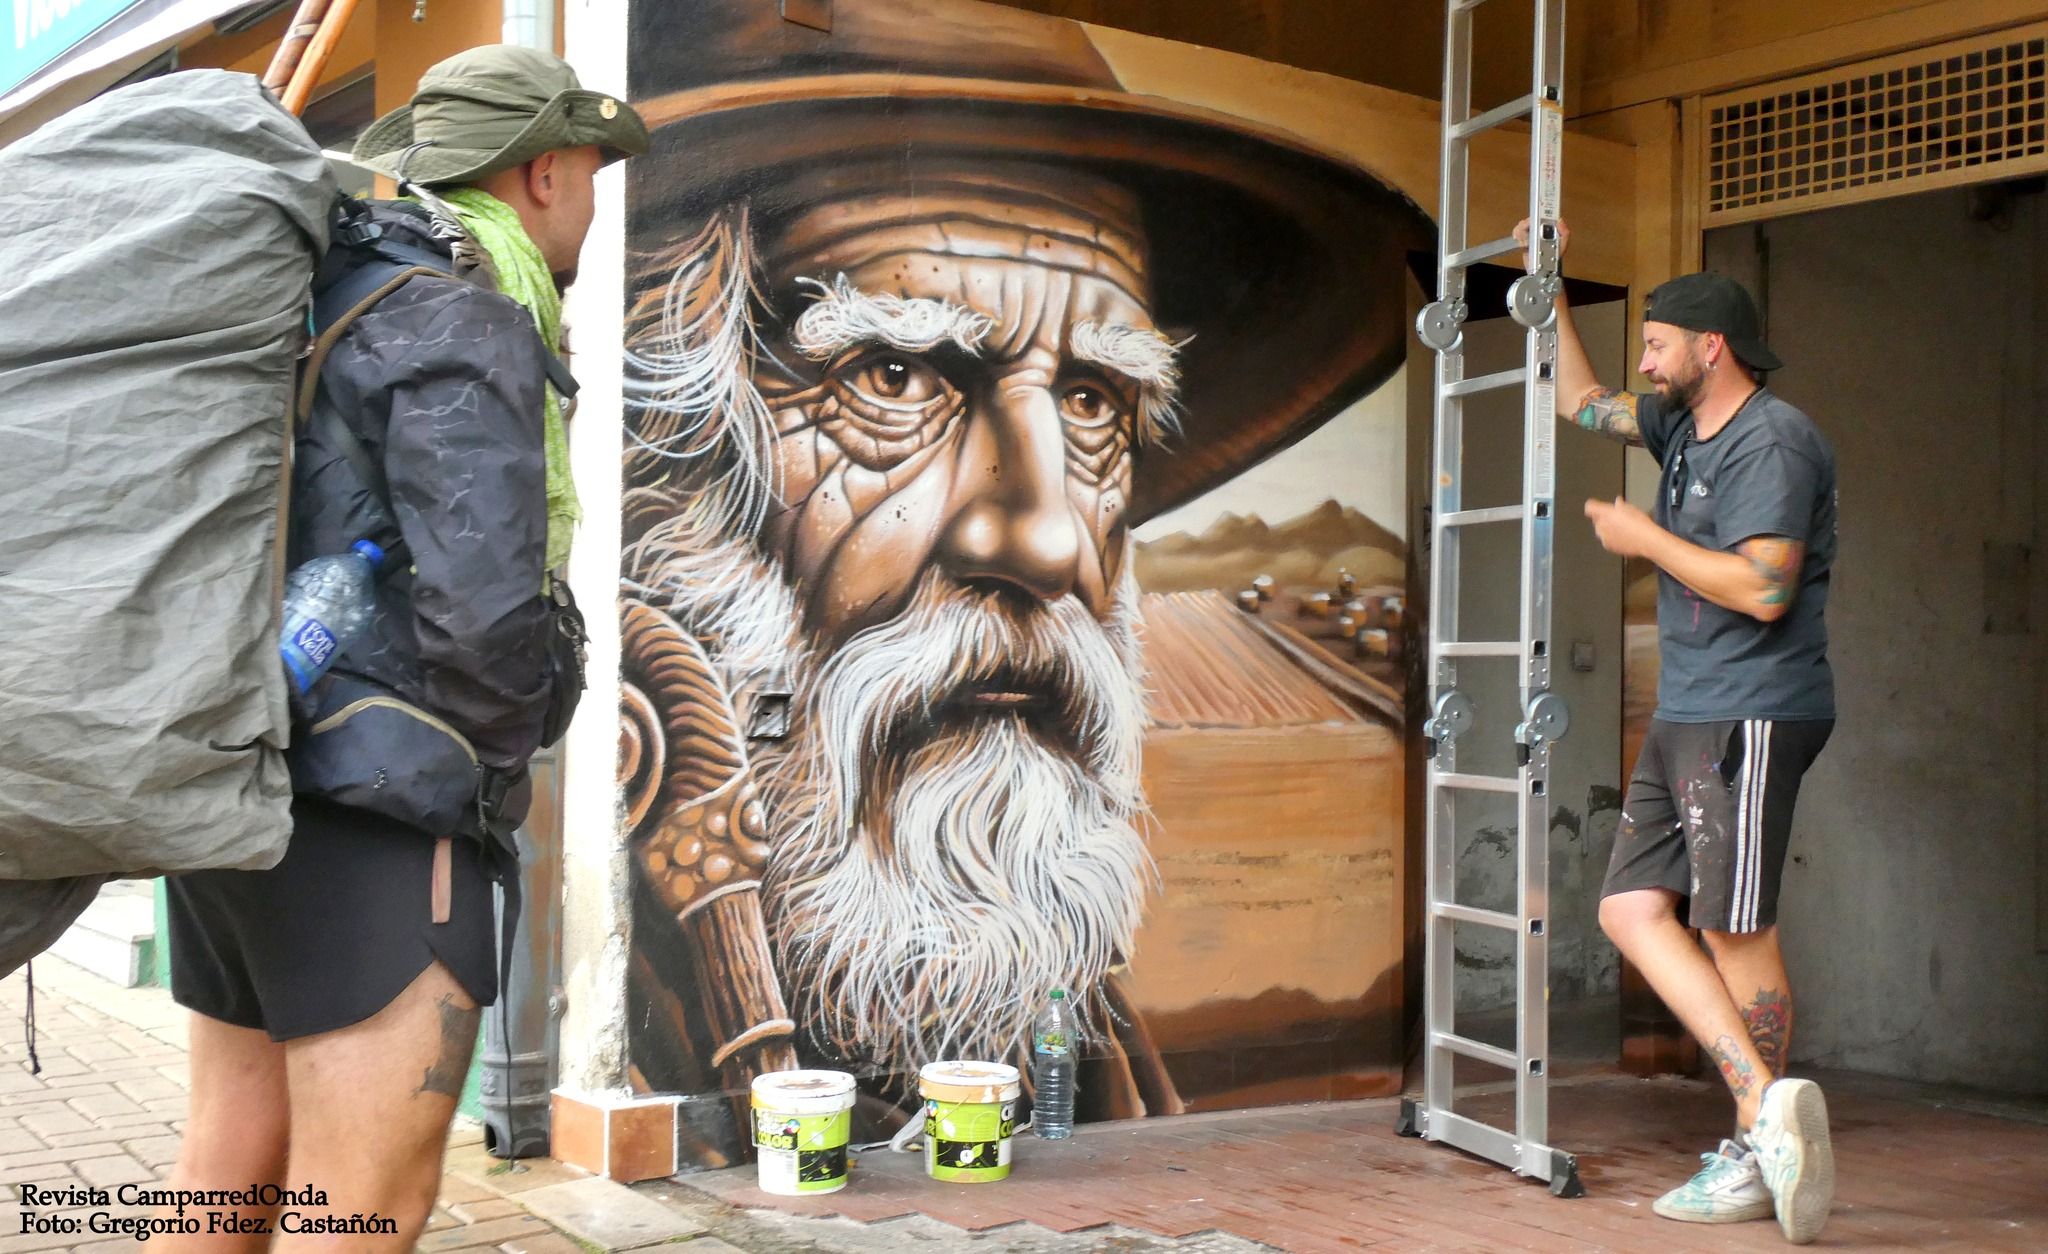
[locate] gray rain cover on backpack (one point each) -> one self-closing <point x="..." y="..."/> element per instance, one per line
<point x="157" y="248"/>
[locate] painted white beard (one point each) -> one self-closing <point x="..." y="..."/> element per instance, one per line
<point x="1005" y="872"/>
<point x="932" y="876"/>
<point x="923" y="899"/>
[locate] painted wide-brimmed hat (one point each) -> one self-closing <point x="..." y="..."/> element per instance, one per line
<point x="492" y="108"/>
<point x="1287" y="265"/>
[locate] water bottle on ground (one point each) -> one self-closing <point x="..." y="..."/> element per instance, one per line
<point x="1054" y="1039"/>
<point x="327" y="604"/>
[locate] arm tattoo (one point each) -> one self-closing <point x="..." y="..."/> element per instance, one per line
<point x="1735" y="1069"/>
<point x="458" y="1039"/>
<point x="1610" y="413"/>
<point x="1776" y="561"/>
<point x="1769" y="1019"/>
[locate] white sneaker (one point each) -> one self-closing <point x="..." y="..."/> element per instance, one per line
<point x="1728" y="1189"/>
<point x="1798" y="1161"/>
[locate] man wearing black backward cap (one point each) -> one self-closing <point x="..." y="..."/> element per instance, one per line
<point x="1743" y="536"/>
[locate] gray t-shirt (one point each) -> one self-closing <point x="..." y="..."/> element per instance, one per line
<point x="1769" y="472"/>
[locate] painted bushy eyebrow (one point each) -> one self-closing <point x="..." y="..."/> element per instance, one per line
<point x="1137" y="353"/>
<point x="1143" y="356"/>
<point x="843" y="316"/>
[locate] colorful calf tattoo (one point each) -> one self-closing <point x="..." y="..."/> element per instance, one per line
<point x="1735" y="1069"/>
<point x="1769" y="1018"/>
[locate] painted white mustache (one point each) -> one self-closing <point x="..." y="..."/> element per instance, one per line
<point x="887" y="682"/>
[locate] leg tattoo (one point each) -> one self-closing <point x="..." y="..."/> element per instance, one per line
<point x="458" y="1038"/>
<point x="1769" y="1019"/>
<point x="1735" y="1069"/>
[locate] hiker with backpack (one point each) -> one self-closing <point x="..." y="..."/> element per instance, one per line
<point x="337" y="995"/>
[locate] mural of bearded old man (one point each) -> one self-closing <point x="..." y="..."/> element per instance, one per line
<point x="929" y="315"/>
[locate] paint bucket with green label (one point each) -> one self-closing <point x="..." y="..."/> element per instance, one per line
<point x="801" y="1124"/>
<point x="970" y="1110"/>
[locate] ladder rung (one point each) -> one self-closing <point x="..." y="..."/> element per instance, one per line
<point x="1482" y="252"/>
<point x="1487" y="382"/>
<point x="1475" y="1049"/>
<point x="1480" y="648"/>
<point x="1479" y="783"/>
<point x="1472" y="517"/>
<point x="1516" y="108"/>
<point x="1473" y="914"/>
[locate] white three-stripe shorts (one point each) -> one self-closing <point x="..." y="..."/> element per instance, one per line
<point x="1709" y="816"/>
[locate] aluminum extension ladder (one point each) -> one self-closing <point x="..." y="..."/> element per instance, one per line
<point x="1523" y="1147"/>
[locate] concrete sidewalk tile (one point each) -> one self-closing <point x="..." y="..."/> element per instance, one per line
<point x="104" y="1104"/>
<point x="12" y="1165"/>
<point x="15" y="1241"/>
<point x="114" y="1169"/>
<point x="47" y="1123"/>
<point x="103" y="1136"/>
<point x="139" y="1123"/>
<point x="512" y="1177"/>
<point x="456" y="1189"/>
<point x="544" y="1243"/>
<point x="94" y="1050"/>
<point x="160" y="1152"/>
<point x="15" y="1080"/>
<point x="19" y="1141"/>
<point x="486" y="1209"/>
<point x="439" y="1218"/>
<point x="40" y="1104"/>
<point x="95" y="1079"/>
<point x="607" y="1213"/>
<point x="141" y="1090"/>
<point x="45" y="1173"/>
<point x="477" y="1236"/>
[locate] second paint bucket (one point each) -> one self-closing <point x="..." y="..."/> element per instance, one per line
<point x="802" y="1121"/>
<point x="970" y="1112"/>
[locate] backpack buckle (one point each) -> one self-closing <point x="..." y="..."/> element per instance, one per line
<point x="353" y="224"/>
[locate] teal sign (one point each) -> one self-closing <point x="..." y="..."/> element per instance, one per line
<point x="39" y="31"/>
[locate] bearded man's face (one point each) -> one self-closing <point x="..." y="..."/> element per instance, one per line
<point x="958" y="385"/>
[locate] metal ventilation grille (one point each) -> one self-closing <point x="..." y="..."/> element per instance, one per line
<point x="1964" y="112"/>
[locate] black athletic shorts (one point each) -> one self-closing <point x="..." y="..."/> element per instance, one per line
<point x="1709" y="816"/>
<point x="334" y="932"/>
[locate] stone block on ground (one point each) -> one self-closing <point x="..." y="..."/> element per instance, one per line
<point x="608" y="1214"/>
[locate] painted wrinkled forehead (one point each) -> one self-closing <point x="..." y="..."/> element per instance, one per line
<point x="1059" y="218"/>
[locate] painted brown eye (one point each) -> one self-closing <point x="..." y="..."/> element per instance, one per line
<point x="896" y="380"/>
<point x="1089" y="405"/>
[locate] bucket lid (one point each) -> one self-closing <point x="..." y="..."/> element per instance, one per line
<point x="779" y="1089"/>
<point x="961" y="1081"/>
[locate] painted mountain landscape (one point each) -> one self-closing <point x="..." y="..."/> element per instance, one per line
<point x="1309" y="551"/>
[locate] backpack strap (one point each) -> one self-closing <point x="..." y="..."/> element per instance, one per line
<point x="338" y="306"/>
<point x="360" y="270"/>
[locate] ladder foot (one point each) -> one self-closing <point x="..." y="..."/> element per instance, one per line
<point x="1564" y="1175"/>
<point x="1407" y="1123"/>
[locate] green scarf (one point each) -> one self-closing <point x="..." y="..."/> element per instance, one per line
<point x="524" y="276"/>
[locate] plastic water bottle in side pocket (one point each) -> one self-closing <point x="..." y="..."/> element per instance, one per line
<point x="327" y="604"/>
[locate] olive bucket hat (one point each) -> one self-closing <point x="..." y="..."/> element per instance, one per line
<point x="492" y="108"/>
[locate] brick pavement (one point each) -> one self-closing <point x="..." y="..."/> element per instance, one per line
<point x="1919" y="1169"/>
<point x="109" y="1107"/>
